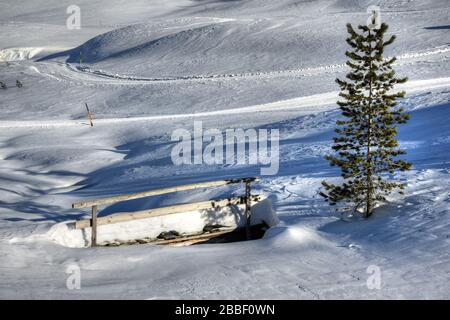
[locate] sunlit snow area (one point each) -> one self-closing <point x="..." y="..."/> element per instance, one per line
<point x="151" y="67"/>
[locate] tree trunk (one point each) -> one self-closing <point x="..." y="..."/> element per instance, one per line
<point x="369" y="143"/>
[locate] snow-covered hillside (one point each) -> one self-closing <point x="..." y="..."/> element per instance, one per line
<point x="150" y="67"/>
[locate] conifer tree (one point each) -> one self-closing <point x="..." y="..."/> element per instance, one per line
<point x="365" y="144"/>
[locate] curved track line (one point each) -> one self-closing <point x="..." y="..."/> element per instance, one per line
<point x="317" y="100"/>
<point x="104" y="75"/>
<point x="85" y="73"/>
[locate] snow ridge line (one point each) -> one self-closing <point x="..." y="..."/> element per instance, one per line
<point x="302" y="71"/>
<point x="317" y="100"/>
<point x="105" y="74"/>
<point x="296" y="103"/>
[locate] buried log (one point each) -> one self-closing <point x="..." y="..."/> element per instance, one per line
<point x="192" y="239"/>
<point x="223" y="235"/>
<point x="210" y="235"/>
<point x="143" y="214"/>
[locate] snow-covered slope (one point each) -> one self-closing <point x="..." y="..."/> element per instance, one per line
<point x="210" y="45"/>
<point x="150" y="67"/>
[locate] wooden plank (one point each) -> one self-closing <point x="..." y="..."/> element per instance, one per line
<point x="188" y="240"/>
<point x="143" y="214"/>
<point x="108" y="200"/>
<point x="94" y="227"/>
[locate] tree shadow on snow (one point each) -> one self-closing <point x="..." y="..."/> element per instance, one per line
<point x="153" y="166"/>
<point x="40" y="212"/>
<point x="304" y="141"/>
<point x="444" y="27"/>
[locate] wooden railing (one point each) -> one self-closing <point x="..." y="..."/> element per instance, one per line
<point x="246" y="199"/>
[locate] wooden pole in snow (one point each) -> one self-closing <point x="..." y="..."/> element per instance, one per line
<point x="89" y="115"/>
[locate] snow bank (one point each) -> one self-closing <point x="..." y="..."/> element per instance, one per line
<point x="16" y="54"/>
<point x="26" y="53"/>
<point x="191" y="222"/>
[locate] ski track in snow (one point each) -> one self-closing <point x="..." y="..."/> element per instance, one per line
<point x="95" y="75"/>
<point x="317" y="101"/>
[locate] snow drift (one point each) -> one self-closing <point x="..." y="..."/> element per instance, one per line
<point x="17" y="54"/>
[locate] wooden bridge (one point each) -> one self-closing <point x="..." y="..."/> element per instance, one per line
<point x="95" y="221"/>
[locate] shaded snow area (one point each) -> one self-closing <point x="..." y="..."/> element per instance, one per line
<point x="150" y="67"/>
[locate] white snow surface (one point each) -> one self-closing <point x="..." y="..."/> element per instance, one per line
<point x="154" y="66"/>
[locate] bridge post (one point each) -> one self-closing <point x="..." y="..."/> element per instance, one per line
<point x="248" y="212"/>
<point x="94" y="227"/>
